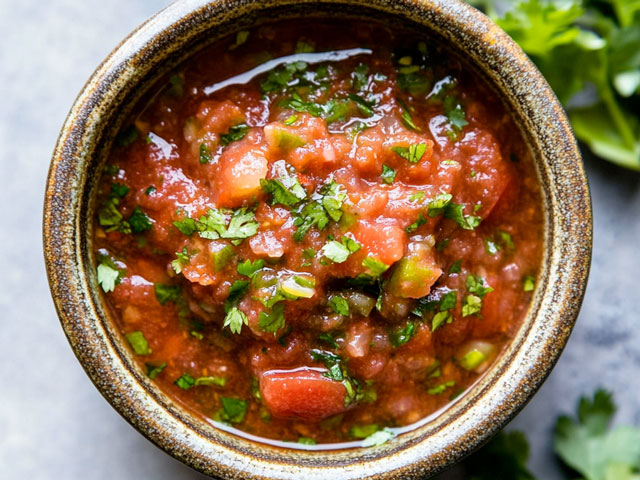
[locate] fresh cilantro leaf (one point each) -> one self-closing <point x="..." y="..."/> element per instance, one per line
<point x="472" y="305"/>
<point x="284" y="186"/>
<point x="182" y="258"/>
<point x="379" y="438"/>
<point x="108" y="276"/>
<point x="333" y="197"/>
<point x="139" y="343"/>
<point x="339" y="305"/>
<point x="340" y="251"/>
<point x="374" y="267"/>
<point x="441" y="388"/>
<point x="449" y="300"/>
<point x="417" y="197"/>
<point x="456" y="267"/>
<point x="328" y="338"/>
<point x="249" y="268"/>
<point x="441" y="318"/>
<point x="365" y="107"/>
<point x="388" y="174"/>
<point x="476" y="284"/>
<point x="272" y="321"/>
<point x="167" y="293"/>
<point x="291" y="120"/>
<point x="205" y="154"/>
<point x="185" y="381"/>
<point x="491" y="247"/>
<point x="235" y="133"/>
<point x="139" y="221"/>
<point x="403" y="335"/>
<point x="281" y="78"/>
<point x="234" y="410"/>
<point x="312" y="214"/>
<point x="456" y="116"/>
<point x="454" y="211"/>
<point x="588" y="446"/>
<point x="360" y="77"/>
<point x="119" y="190"/>
<point x="187" y="226"/>
<point x="407" y="119"/>
<point x="417" y="224"/>
<point x="154" y="370"/>
<point x="150" y="189"/>
<point x="234" y="319"/>
<point x="439" y="203"/>
<point x="412" y="153"/>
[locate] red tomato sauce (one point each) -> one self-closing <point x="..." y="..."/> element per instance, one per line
<point x="316" y="232"/>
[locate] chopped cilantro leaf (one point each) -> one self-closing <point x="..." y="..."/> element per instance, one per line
<point x="333" y="197"/>
<point x="407" y="119"/>
<point x="235" y="133"/>
<point x="234" y="319"/>
<point x="291" y="120"/>
<point x="365" y="107"/>
<point x="441" y="318"/>
<point x="187" y="226"/>
<point x="213" y="225"/>
<point x="454" y="211"/>
<point x="108" y="275"/>
<point x="205" y="154"/>
<point x="403" y="335"/>
<point x="491" y="247"/>
<point x="449" y="300"/>
<point x="439" y="203"/>
<point x="248" y="268"/>
<point x="456" y="116"/>
<point x="272" y="321"/>
<point x="139" y="221"/>
<point x="139" y="343"/>
<point x="167" y="293"/>
<point x="388" y="174"/>
<point x="379" y="438"/>
<point x="182" y="258"/>
<point x="412" y="153"/>
<point x="440" y="389"/>
<point x="417" y="224"/>
<point x="456" y="267"/>
<point x="326" y="337"/>
<point x="475" y="284"/>
<point x="150" y="189"/>
<point x="374" y="267"/>
<point x="154" y="370"/>
<point x="185" y="381"/>
<point x="339" y="305"/>
<point x="312" y="214"/>
<point x="119" y="189"/>
<point x="417" y="197"/>
<point x="472" y="305"/>
<point x="360" y="76"/>
<point x="284" y="187"/>
<point x="340" y="251"/>
<point x="233" y="410"/>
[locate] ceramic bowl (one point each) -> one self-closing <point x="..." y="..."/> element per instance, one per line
<point x="173" y="35"/>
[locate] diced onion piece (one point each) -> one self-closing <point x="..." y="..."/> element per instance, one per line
<point x="359" y="302"/>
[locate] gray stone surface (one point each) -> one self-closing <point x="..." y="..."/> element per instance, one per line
<point x="53" y="422"/>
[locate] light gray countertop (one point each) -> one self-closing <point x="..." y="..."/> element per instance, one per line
<point x="54" y="423"/>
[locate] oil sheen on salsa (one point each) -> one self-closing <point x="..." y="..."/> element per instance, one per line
<point x="318" y="232"/>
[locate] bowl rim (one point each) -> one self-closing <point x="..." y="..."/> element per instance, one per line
<point x="487" y="406"/>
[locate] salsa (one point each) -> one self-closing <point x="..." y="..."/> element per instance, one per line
<point x="318" y="232"/>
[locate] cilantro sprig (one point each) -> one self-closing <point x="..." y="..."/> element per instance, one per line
<point x="220" y="223"/>
<point x="581" y="47"/>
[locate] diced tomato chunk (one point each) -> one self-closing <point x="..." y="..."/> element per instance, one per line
<point x="302" y="393"/>
<point x="239" y="177"/>
<point x="383" y="242"/>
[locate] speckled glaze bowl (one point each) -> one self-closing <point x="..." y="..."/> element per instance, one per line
<point x="176" y="33"/>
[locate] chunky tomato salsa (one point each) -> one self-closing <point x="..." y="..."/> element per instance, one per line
<point x="319" y="232"/>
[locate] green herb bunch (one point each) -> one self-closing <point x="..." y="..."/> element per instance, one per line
<point x="589" y="52"/>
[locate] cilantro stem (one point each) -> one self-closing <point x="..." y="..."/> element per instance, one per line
<point x="617" y="115"/>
